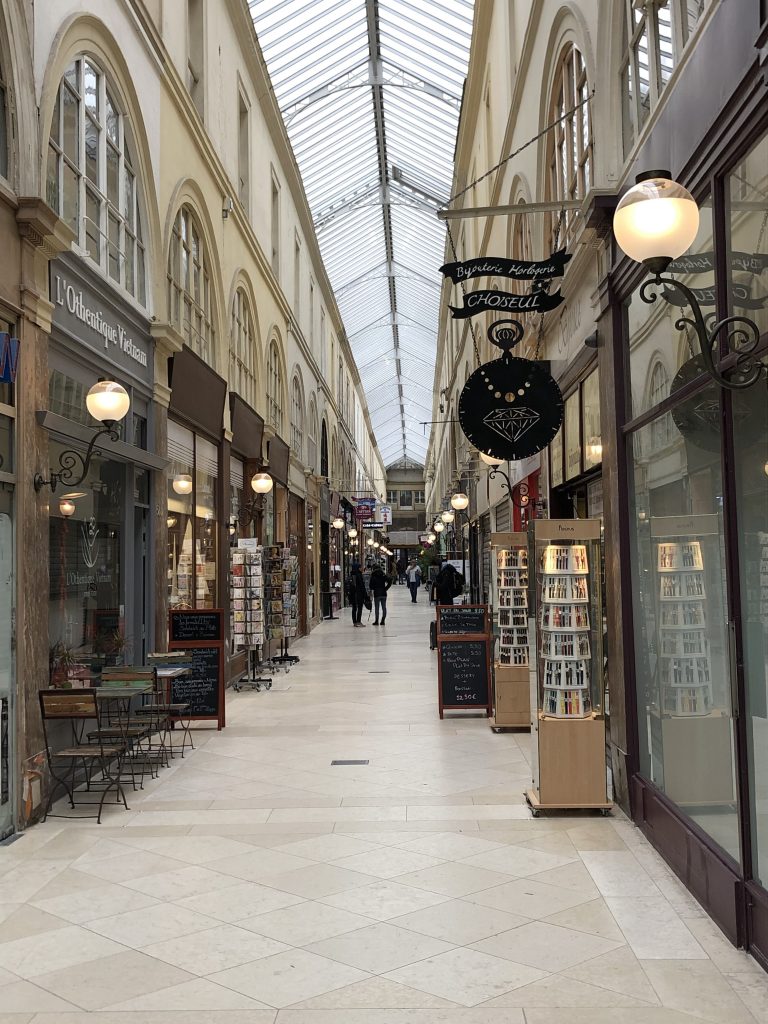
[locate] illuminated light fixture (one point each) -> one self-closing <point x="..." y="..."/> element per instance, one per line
<point x="66" y="507"/>
<point x="170" y="522"/>
<point x="656" y="221"/>
<point x="232" y="529"/>
<point x="108" y="402"/>
<point x="489" y="460"/>
<point x="459" y="501"/>
<point x="439" y="526"/>
<point x="370" y="542"/>
<point x="432" y="538"/>
<point x="352" y="533"/>
<point x="262" y="483"/>
<point x="595" y="449"/>
<point x="447" y="516"/>
<point x="376" y="545"/>
<point x="182" y="483"/>
<point x="765" y="468"/>
<point x="338" y="524"/>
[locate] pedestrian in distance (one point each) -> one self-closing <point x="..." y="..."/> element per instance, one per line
<point x="413" y="575"/>
<point x="380" y="584"/>
<point x="448" y="584"/>
<point x="402" y="565"/>
<point x="357" y="595"/>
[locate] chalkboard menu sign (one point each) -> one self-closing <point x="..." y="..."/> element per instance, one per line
<point x="464" y="674"/>
<point x="462" y="618"/>
<point x="192" y="626"/>
<point x="200" y="635"/>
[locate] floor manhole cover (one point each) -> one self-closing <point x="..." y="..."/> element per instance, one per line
<point x="348" y="762"/>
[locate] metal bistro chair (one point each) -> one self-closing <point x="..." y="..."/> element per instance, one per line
<point x="144" y="735"/>
<point x="99" y="754"/>
<point x="161" y="701"/>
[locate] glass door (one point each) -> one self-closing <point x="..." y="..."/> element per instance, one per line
<point x="7" y="621"/>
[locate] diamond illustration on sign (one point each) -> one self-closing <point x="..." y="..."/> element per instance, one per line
<point x="512" y="423"/>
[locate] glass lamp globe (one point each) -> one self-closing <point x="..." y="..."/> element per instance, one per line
<point x="182" y="483"/>
<point x="656" y="220"/>
<point x="459" y="502"/>
<point x="338" y="524"/>
<point x="353" y="533"/>
<point x="67" y="507"/>
<point x="432" y="538"/>
<point x="439" y="526"/>
<point x="489" y="460"/>
<point x="262" y="483"/>
<point x="595" y="449"/>
<point x="369" y="542"/>
<point x="447" y="516"/>
<point x="107" y="401"/>
<point x="376" y="545"/>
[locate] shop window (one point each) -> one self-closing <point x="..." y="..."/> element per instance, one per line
<point x="243" y="151"/>
<point x="196" y="53"/>
<point x="655" y="33"/>
<point x="237" y="498"/>
<point x="4" y="141"/>
<point x="297" y="287"/>
<point x="275" y="226"/>
<point x="242" y="349"/>
<point x="312" y="436"/>
<point x="274" y="388"/>
<point x="406" y="499"/>
<point x="590" y="421"/>
<point x="297" y="418"/>
<point x="190" y="301"/>
<point x="569" y="144"/>
<point x="324" y="451"/>
<point x="91" y="178"/>
<point x="392" y="497"/>
<point x="192" y="519"/>
<point x="418" y="497"/>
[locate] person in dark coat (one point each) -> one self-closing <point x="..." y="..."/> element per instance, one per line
<point x="356" y="593"/>
<point x="448" y="584"/>
<point x="380" y="584"/>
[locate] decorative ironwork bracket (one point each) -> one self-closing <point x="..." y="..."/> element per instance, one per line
<point x="71" y="461"/>
<point x="518" y="494"/>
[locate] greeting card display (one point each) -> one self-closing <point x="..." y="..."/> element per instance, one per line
<point x="512" y="706"/>
<point x="247" y="598"/>
<point x="565" y="624"/>
<point x="685" y="671"/>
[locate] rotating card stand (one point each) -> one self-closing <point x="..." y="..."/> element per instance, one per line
<point x="685" y="672"/>
<point x="511" y="689"/>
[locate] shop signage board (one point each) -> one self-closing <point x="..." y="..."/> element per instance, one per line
<point x="464" y="673"/>
<point x="505" y="302"/>
<point x="371" y="524"/>
<point x="385" y="514"/>
<point x="517" y="270"/>
<point x="9" y="358"/>
<point x="200" y="634"/>
<point x="462" y="618"/>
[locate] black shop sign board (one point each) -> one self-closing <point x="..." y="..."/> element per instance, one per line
<point x="200" y="634"/>
<point x="464" y="673"/>
<point x="462" y="619"/>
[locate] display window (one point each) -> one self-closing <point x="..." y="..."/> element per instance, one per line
<point x="192" y="519"/>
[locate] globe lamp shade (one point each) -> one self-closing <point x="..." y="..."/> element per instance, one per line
<point x="447" y="517"/>
<point x="657" y="219"/>
<point x="489" y="460"/>
<point x="261" y="483"/>
<point x="459" y="502"/>
<point x="107" y="401"/>
<point x="182" y="483"/>
<point x="439" y="526"/>
<point x="67" y="507"/>
<point x="338" y="524"/>
<point x="353" y="533"/>
<point x="369" y="542"/>
<point x="432" y="538"/>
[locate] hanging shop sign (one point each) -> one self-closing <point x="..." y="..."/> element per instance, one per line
<point x="517" y="270"/>
<point x="704" y="263"/>
<point x="364" y="507"/>
<point x="385" y="514"/>
<point x="741" y="295"/>
<point x="505" y="302"/>
<point x="9" y="358"/>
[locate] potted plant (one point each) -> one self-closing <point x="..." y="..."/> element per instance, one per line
<point x="61" y="663"/>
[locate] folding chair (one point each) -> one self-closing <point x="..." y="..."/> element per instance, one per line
<point x="96" y="753"/>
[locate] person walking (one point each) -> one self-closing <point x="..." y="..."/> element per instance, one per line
<point x="356" y="594"/>
<point x="380" y="584"/>
<point x="448" y="584"/>
<point x="401" y="567"/>
<point x="413" y="575"/>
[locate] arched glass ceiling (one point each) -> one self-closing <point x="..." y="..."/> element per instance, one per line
<point x="370" y="91"/>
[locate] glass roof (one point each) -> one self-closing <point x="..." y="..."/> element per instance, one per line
<point x="370" y="91"/>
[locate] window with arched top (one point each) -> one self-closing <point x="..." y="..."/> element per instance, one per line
<point x="658" y="390"/>
<point x="297" y="418"/>
<point x="274" y="388"/>
<point x="242" y="349"/>
<point x="4" y="122"/>
<point x="312" y="430"/>
<point x="324" y="450"/>
<point x="190" y="299"/>
<point x="91" y="174"/>
<point x="520" y="246"/>
<point x="569" y="144"/>
<point x="340" y="386"/>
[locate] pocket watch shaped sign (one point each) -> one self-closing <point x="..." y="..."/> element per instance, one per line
<point x="511" y="408"/>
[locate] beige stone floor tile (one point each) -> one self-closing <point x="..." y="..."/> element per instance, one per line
<point x="110" y="980"/>
<point x="288" y="978"/>
<point x="257" y="865"/>
<point x="283" y="815"/>
<point x="725" y="956"/>
<point x="131" y="864"/>
<point x="589" y="837"/>
<point x="189" y="849"/>
<point x="80" y="907"/>
<point x="384" y="900"/>
<point x="159" y="923"/>
<point x="459" y="922"/>
<point x="374" y="994"/>
<point x="214" y="949"/>
<point x="518" y="861"/>
<point x="549" y="947"/>
<point x="389" y="862"/>
<point x="698" y="988"/>
<point x="752" y="988"/>
<point x="654" y="930"/>
<point x="23" y="882"/>
<point x="330" y="847"/>
<point x="470" y="812"/>
<point x="304" y="923"/>
<point x="619" y="971"/>
<point x="465" y="976"/>
<point x="186" y="881"/>
<point x="26" y="997"/>
<point x="238" y="902"/>
<point x="18" y="920"/>
<point x="451" y="846"/>
<point x="319" y="880"/>
<point x="479" y="1015"/>
<point x="618" y="873"/>
<point x="59" y="949"/>
<point x="557" y="990"/>
<point x="529" y="899"/>
<point x="454" y="879"/>
<point x="380" y="947"/>
<point x="615" y="1015"/>
<point x="199" y="994"/>
<point x="573" y="876"/>
<point x="594" y="918"/>
<point x="15" y="1018"/>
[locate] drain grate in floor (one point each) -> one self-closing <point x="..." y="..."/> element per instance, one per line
<point x="379" y="672"/>
<point x="348" y="762"/>
<point x="10" y="839"/>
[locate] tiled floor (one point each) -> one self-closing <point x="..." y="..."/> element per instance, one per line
<point x="256" y="884"/>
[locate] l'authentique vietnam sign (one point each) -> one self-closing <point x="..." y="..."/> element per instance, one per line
<point x="505" y="302"/>
<point x="498" y="266"/>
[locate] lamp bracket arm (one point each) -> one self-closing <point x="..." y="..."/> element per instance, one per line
<point x="72" y="462"/>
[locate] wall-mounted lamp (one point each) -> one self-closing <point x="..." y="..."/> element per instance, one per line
<point x="170" y="522"/>
<point x="489" y="460"/>
<point x="439" y="526"/>
<point x="459" y="501"/>
<point x="107" y="402"/>
<point x="227" y="207"/>
<point x="370" y="542"/>
<point x="595" y="449"/>
<point x="261" y="484"/>
<point x="432" y="537"/>
<point x="338" y="523"/>
<point x="66" y="507"/>
<point x="182" y="483"/>
<point x="656" y="221"/>
<point x="352" y="533"/>
<point x="448" y="516"/>
<point x="518" y="494"/>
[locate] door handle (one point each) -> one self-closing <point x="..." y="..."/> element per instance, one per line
<point x="733" y="668"/>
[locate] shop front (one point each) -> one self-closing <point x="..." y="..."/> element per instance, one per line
<point x="100" y="603"/>
<point x="687" y="523"/>
<point x="9" y="356"/>
<point x="576" y="453"/>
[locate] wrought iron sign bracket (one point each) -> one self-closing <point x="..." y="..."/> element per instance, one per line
<point x="518" y="493"/>
<point x="71" y="461"/>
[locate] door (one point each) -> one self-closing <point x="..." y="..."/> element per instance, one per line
<point x="7" y="624"/>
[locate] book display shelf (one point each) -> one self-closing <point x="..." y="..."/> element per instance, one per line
<point x="566" y="658"/>
<point x="511" y="691"/>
